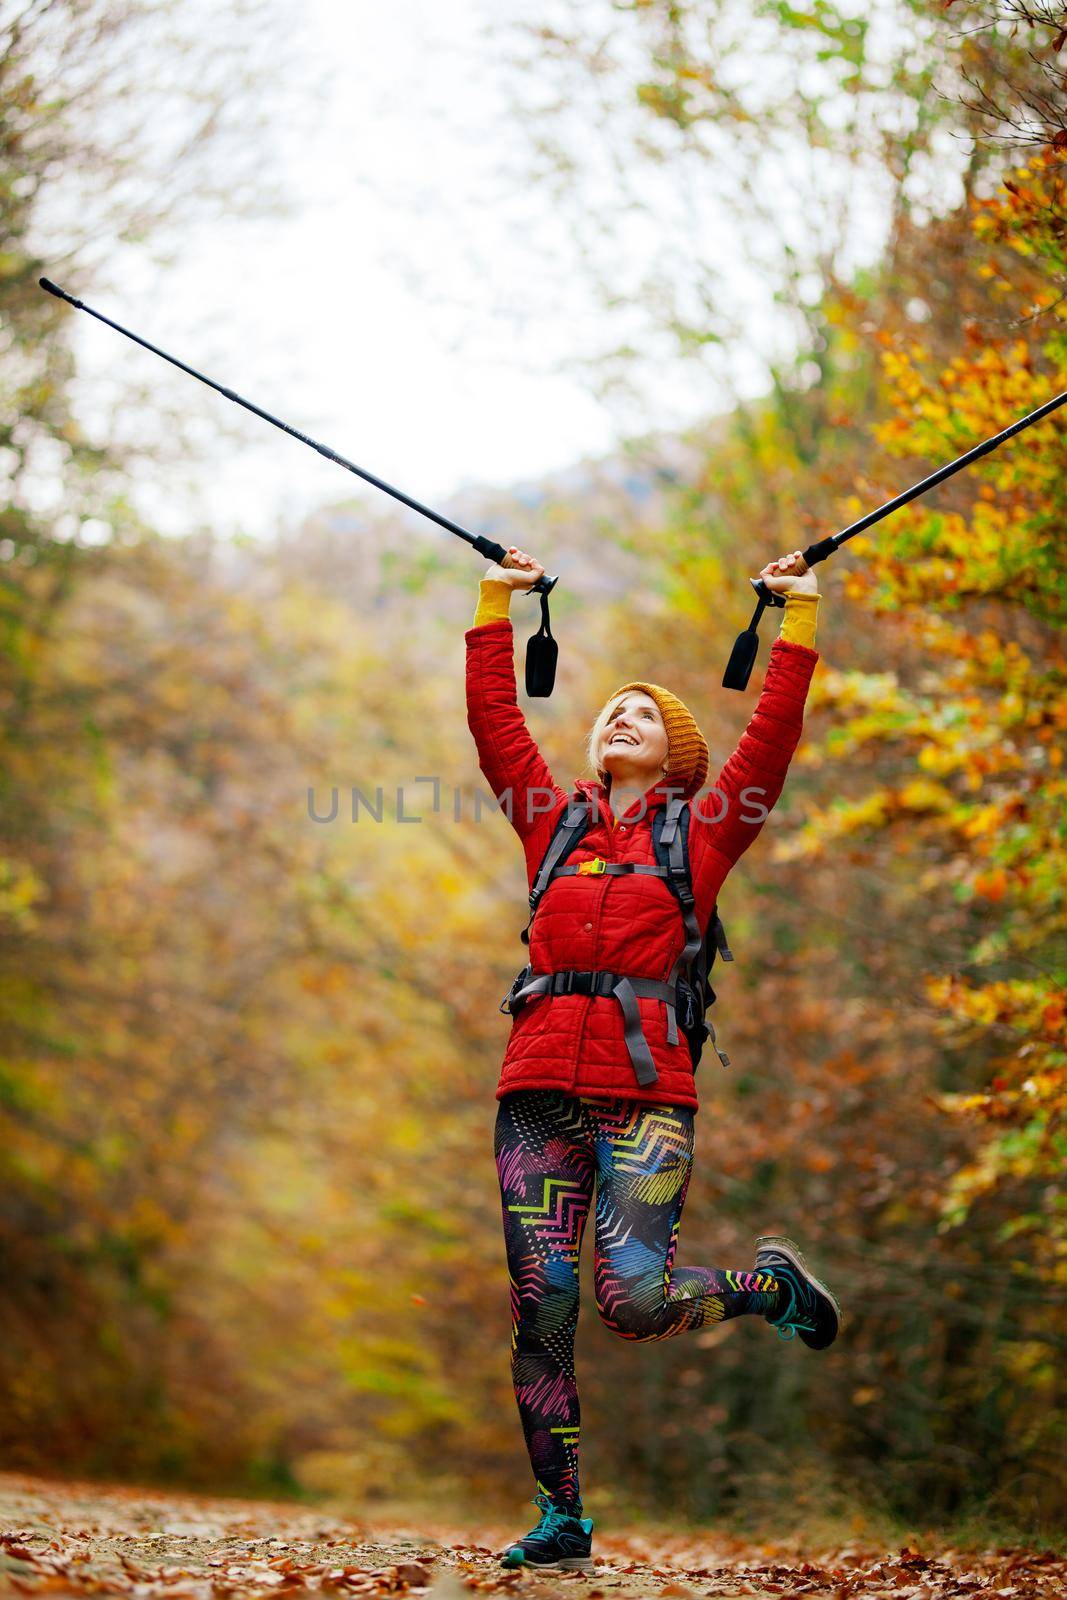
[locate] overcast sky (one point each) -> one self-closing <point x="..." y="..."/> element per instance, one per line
<point x="398" y="315"/>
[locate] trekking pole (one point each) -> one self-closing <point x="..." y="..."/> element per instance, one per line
<point x="541" y="649"/>
<point x="739" y="666"/>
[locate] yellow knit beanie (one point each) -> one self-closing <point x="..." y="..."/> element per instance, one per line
<point x="687" y="753"/>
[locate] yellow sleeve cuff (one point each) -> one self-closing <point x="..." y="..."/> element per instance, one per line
<point x="494" y="598"/>
<point x="799" y="618"/>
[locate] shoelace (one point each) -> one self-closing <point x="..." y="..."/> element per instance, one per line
<point x="551" y="1515"/>
<point x="788" y="1330"/>
<point x="796" y="1318"/>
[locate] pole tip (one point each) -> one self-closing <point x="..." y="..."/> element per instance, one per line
<point x="60" y="294"/>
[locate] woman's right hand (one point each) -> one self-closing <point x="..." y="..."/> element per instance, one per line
<point x="523" y="575"/>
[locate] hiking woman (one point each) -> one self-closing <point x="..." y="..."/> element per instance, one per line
<point x="597" y="1089"/>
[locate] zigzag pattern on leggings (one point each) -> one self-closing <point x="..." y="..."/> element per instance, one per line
<point x="554" y="1152"/>
<point x="559" y="1216"/>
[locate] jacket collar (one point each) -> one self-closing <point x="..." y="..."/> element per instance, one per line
<point x="654" y="797"/>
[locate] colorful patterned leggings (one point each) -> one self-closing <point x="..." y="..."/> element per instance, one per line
<point x="551" y="1148"/>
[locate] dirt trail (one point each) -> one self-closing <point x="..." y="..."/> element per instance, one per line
<point x="79" y="1538"/>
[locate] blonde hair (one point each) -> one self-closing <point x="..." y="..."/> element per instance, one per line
<point x="597" y="731"/>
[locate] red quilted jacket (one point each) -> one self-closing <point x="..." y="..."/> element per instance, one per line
<point x="625" y="923"/>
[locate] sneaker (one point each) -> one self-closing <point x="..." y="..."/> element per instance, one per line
<point x="809" y="1308"/>
<point x="560" y="1542"/>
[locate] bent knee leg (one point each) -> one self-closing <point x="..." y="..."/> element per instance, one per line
<point x="628" y="1307"/>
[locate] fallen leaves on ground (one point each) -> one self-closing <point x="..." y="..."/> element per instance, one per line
<point x="87" y="1539"/>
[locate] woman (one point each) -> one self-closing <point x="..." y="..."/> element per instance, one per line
<point x="597" y="1089"/>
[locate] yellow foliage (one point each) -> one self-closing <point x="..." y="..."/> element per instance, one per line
<point x="921" y="795"/>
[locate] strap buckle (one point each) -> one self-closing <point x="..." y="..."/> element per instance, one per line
<point x="592" y="869"/>
<point x="686" y="897"/>
<point x="519" y="982"/>
<point x="573" y="980"/>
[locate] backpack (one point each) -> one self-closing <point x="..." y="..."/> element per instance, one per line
<point x="690" y="984"/>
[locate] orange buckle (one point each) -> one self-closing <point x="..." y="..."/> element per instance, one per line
<point x="594" y="868"/>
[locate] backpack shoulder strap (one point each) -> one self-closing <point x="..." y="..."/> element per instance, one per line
<point x="670" y="837"/>
<point x="571" y="825"/>
<point x="670" y="840"/>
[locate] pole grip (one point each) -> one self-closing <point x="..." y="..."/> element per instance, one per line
<point x="770" y="597"/>
<point x="544" y="585"/>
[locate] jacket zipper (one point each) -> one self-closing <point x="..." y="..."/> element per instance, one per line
<point x="596" y="935"/>
<point x="608" y="876"/>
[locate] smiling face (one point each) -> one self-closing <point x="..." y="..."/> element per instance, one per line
<point x="632" y="742"/>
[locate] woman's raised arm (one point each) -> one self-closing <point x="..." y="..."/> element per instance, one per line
<point x="512" y="764"/>
<point x="732" y="814"/>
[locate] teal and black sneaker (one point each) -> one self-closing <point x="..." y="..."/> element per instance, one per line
<point x="807" y="1306"/>
<point x="560" y="1542"/>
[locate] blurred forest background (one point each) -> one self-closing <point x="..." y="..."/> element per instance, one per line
<point x="249" y="1221"/>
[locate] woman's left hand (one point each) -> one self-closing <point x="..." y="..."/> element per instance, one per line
<point x="790" y="575"/>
